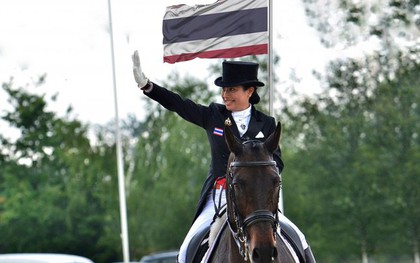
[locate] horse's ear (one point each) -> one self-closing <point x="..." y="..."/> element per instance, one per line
<point x="273" y="140"/>
<point x="233" y="143"/>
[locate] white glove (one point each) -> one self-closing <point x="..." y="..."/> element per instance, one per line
<point x="138" y="73"/>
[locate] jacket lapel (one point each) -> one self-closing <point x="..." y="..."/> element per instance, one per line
<point x="229" y="119"/>
<point x="255" y="125"/>
<point x="253" y="129"/>
<point x="234" y="127"/>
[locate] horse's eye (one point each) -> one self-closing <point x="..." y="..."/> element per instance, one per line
<point x="238" y="184"/>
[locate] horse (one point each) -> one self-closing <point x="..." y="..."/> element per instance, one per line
<point x="252" y="193"/>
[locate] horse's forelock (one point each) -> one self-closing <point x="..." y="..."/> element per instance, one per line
<point x="255" y="150"/>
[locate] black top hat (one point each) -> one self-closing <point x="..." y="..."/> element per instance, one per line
<point x="239" y="73"/>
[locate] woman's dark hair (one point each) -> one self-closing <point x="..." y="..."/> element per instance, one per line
<point x="255" y="98"/>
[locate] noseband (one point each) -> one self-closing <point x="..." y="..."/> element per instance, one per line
<point x="241" y="234"/>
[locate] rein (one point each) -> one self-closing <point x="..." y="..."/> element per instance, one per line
<point x="241" y="225"/>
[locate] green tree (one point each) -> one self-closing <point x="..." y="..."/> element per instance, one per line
<point x="376" y="82"/>
<point x="346" y="23"/>
<point x="351" y="143"/>
<point x="56" y="193"/>
<point x="397" y="120"/>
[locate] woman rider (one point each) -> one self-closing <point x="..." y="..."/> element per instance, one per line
<point x="239" y="83"/>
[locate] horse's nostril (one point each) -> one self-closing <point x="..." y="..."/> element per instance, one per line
<point x="256" y="255"/>
<point x="264" y="254"/>
<point x="275" y="253"/>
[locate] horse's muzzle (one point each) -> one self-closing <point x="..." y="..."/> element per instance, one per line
<point x="264" y="254"/>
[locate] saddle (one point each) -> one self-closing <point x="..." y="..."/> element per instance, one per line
<point x="198" y="246"/>
<point x="199" y="243"/>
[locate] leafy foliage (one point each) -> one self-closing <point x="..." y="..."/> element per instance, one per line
<point x="353" y="142"/>
<point x="54" y="187"/>
<point x="349" y="23"/>
<point x="364" y="95"/>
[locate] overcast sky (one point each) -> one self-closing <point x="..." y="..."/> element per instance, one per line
<point x="69" y="41"/>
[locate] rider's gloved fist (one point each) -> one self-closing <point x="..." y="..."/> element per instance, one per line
<point x="139" y="76"/>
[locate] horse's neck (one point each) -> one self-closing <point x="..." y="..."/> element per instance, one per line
<point x="234" y="255"/>
<point x="226" y="250"/>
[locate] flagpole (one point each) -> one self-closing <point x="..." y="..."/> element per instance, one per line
<point x="270" y="68"/>
<point x="270" y="56"/>
<point x="121" y="183"/>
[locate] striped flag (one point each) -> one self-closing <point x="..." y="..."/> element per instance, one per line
<point x="218" y="131"/>
<point x="225" y="29"/>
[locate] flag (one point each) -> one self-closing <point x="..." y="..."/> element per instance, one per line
<point x="218" y="131"/>
<point x="225" y="29"/>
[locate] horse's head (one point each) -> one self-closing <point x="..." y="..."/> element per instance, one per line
<point x="252" y="196"/>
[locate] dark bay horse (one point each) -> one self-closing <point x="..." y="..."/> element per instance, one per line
<point x="252" y="193"/>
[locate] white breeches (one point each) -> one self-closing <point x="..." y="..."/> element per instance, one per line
<point x="202" y="221"/>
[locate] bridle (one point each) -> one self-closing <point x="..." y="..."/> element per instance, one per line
<point x="241" y="225"/>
